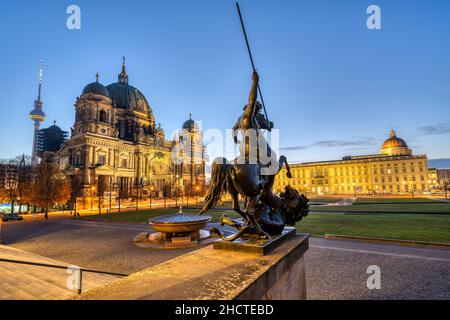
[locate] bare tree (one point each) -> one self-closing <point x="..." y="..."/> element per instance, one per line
<point x="8" y="182"/>
<point x="50" y="186"/>
<point x="24" y="180"/>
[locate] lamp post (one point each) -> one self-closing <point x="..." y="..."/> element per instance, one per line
<point x="197" y="189"/>
<point x="176" y="193"/>
<point x="76" y="187"/>
<point x="150" y="196"/>
<point x="110" y="194"/>
<point x="92" y="197"/>
<point x="98" y="194"/>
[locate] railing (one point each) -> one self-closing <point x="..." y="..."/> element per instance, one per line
<point x="76" y="270"/>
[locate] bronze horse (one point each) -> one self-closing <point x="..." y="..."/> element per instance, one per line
<point x="244" y="179"/>
<point x="272" y="221"/>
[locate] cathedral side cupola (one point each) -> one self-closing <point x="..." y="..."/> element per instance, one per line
<point x="96" y="88"/>
<point x="94" y="111"/>
<point x="190" y="125"/>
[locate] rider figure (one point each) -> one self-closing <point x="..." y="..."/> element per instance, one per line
<point x="253" y="119"/>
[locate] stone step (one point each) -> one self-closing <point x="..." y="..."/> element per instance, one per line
<point x="19" y="281"/>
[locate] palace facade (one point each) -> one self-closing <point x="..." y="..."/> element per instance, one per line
<point x="394" y="171"/>
<point x="116" y="148"/>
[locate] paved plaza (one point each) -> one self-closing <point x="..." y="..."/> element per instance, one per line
<point x="335" y="269"/>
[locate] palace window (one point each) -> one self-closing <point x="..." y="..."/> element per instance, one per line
<point x="124" y="163"/>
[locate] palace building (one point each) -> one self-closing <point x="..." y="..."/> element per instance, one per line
<point x="394" y="171"/>
<point x="116" y="147"/>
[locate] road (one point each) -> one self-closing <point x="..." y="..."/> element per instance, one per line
<point x="336" y="269"/>
<point x="128" y="206"/>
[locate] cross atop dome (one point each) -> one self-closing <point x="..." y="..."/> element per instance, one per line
<point x="123" y="77"/>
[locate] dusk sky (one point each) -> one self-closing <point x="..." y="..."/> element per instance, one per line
<point x="332" y="86"/>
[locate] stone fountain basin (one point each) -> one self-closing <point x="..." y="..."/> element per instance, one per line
<point x="179" y="223"/>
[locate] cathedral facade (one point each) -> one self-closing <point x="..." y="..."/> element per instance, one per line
<point x="116" y="149"/>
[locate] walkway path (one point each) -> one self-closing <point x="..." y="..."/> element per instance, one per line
<point x="335" y="269"/>
<point x="18" y="281"/>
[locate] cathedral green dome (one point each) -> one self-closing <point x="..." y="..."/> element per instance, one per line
<point x="125" y="96"/>
<point x="128" y="97"/>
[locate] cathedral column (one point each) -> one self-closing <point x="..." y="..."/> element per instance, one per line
<point x="86" y="176"/>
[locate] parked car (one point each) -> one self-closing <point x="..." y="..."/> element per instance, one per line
<point x="11" y="217"/>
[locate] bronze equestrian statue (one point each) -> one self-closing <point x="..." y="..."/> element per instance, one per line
<point x="244" y="176"/>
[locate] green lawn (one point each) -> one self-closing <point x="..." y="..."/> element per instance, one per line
<point x="331" y="200"/>
<point x="418" y="227"/>
<point x="144" y="215"/>
<point x="393" y="200"/>
<point x="413" y="205"/>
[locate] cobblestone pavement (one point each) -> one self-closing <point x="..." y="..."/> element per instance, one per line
<point x="336" y="269"/>
<point x="105" y="246"/>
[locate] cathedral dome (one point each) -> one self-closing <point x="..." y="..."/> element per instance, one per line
<point x="128" y="97"/>
<point x="125" y="96"/>
<point x="96" y="88"/>
<point x="395" y="145"/>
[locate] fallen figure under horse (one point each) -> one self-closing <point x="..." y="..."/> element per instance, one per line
<point x="265" y="214"/>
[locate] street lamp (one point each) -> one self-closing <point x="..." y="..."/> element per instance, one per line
<point x="98" y="194"/>
<point x="92" y="197"/>
<point x="197" y="189"/>
<point x="176" y="193"/>
<point x="118" y="190"/>
<point x="150" y="196"/>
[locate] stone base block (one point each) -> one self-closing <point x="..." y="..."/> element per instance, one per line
<point x="208" y="274"/>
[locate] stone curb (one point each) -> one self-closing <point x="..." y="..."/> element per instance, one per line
<point x="106" y="220"/>
<point x="376" y="212"/>
<point x="391" y="241"/>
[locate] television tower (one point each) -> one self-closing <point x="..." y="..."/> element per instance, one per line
<point x="38" y="116"/>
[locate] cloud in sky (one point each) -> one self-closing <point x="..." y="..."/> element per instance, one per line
<point x="442" y="128"/>
<point x="334" y="143"/>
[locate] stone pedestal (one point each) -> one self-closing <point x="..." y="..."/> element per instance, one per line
<point x="208" y="274"/>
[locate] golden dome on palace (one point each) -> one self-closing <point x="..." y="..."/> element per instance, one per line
<point x="395" y="145"/>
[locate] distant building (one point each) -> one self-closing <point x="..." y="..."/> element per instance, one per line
<point x="394" y="171"/>
<point x="433" y="179"/>
<point x="443" y="176"/>
<point x="50" y="139"/>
